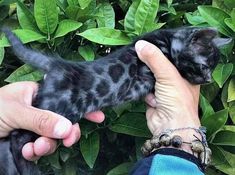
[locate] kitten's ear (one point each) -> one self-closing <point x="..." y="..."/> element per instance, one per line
<point x="204" y="35"/>
<point x="219" y="42"/>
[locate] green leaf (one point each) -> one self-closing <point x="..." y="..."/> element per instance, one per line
<point x="46" y="15"/>
<point x="72" y="12"/>
<point x="86" y="52"/>
<point x="66" y="26"/>
<point x="106" y="36"/>
<point x="2" y="53"/>
<point x="221" y="73"/>
<point x="165" y="8"/>
<point x="231" y="90"/>
<point x="213" y="88"/>
<point x="229" y="22"/>
<point x="70" y="167"/>
<point x="87" y="127"/>
<point x="224" y="95"/>
<point x="25" y="17"/>
<point x="122" y="169"/>
<point x="226" y="138"/>
<point x="106" y="16"/>
<point x="145" y="15"/>
<point x="217" y="120"/>
<point x="54" y="160"/>
<point x="90" y="148"/>
<point x="84" y="3"/>
<point x="212" y="171"/>
<point x="169" y="2"/>
<point x="25" y="36"/>
<point x="72" y="2"/>
<point x="233" y="15"/>
<point x="82" y="15"/>
<point x="231" y="159"/>
<point x="65" y="154"/>
<point x="122" y="108"/>
<point x="232" y="111"/>
<point x="139" y="107"/>
<point x="131" y="124"/>
<point x="129" y="21"/>
<point x="215" y="17"/>
<point x="227" y="49"/>
<point x="221" y="5"/>
<point x="4" y="11"/>
<point x="194" y="19"/>
<point x="207" y="109"/>
<point x="62" y="4"/>
<point x="230" y="3"/>
<point x="6" y="2"/>
<point x="229" y="128"/>
<point x="139" y="141"/>
<point x="24" y="73"/>
<point x="222" y="160"/>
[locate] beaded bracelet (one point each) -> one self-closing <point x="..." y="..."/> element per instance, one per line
<point x="166" y="139"/>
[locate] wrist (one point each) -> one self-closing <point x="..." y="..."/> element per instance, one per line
<point x="195" y="144"/>
<point x="188" y="137"/>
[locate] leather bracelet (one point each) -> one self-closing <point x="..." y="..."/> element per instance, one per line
<point x="199" y="147"/>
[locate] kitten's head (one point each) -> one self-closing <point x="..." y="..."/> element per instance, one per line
<point x="195" y="52"/>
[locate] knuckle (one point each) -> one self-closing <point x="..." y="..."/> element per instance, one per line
<point x="41" y="121"/>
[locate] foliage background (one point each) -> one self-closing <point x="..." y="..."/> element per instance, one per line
<point x="84" y="30"/>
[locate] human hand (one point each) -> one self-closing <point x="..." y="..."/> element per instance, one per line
<point x="16" y="112"/>
<point x="175" y="102"/>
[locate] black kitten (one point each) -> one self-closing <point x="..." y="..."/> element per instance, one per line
<point x="75" y="88"/>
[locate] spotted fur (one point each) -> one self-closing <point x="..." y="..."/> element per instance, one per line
<point x="75" y="88"/>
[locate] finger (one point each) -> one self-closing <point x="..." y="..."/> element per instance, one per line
<point x="150" y="99"/>
<point x="28" y="152"/>
<point x="155" y="59"/>
<point x="73" y="137"/>
<point x="42" y="122"/>
<point x="19" y="86"/>
<point x="22" y="90"/>
<point x="44" y="146"/>
<point x="97" y="116"/>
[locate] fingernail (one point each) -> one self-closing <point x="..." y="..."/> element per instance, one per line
<point x="62" y="128"/>
<point x="140" y="45"/>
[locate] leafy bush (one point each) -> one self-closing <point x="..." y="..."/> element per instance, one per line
<point x="84" y="30"/>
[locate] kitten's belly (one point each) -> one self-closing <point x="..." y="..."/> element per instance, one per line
<point x="127" y="91"/>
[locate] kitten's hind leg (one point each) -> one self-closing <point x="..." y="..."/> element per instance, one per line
<point x="18" y="139"/>
<point x="7" y="164"/>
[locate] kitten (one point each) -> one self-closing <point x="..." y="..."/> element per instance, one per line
<point x="72" y="89"/>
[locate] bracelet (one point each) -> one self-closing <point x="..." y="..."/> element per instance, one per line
<point x="165" y="138"/>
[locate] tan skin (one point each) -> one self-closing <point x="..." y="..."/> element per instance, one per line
<point x="175" y="102"/>
<point x="16" y="112"/>
<point x="174" y="105"/>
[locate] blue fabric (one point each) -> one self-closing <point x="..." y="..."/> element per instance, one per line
<point x="172" y="165"/>
<point x="142" y="167"/>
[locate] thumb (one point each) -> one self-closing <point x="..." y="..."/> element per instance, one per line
<point x="42" y="122"/>
<point x="152" y="56"/>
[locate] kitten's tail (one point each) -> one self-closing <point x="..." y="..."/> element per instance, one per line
<point x="28" y="56"/>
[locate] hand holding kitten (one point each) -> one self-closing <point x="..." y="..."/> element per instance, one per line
<point x="16" y="112"/>
<point x="175" y="102"/>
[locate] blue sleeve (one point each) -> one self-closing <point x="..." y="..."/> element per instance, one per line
<point x="169" y="165"/>
<point x="168" y="161"/>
